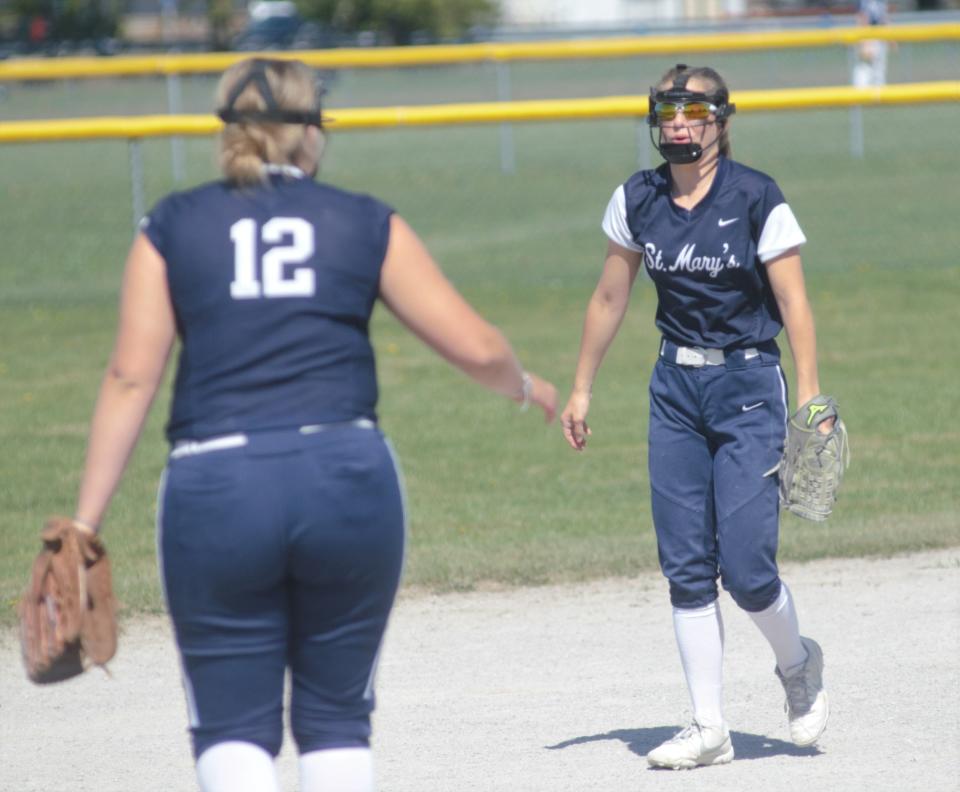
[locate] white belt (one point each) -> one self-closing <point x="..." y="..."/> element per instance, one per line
<point x="190" y="447"/>
<point x="184" y="448"/>
<point x="701" y="356"/>
<point x="698" y="356"/>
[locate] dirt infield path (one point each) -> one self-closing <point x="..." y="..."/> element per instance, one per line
<point x="558" y="688"/>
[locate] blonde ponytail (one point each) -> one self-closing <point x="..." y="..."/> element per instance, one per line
<point x="245" y="147"/>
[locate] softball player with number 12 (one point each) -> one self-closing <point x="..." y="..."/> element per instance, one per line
<point x="281" y="524"/>
<point x="721" y="246"/>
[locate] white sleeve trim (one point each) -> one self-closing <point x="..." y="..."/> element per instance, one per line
<point x="615" y="221"/>
<point x="780" y="233"/>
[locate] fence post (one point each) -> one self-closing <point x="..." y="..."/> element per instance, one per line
<point x="175" y="107"/>
<point x="856" y="131"/>
<point x="136" y="180"/>
<point x="856" y="111"/>
<point x="508" y="162"/>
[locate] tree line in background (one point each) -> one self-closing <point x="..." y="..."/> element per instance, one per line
<point x="46" y="25"/>
<point x="37" y="24"/>
<point x="402" y="21"/>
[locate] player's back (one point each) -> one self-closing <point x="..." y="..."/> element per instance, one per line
<point x="272" y="287"/>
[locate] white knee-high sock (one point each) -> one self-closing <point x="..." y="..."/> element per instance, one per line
<point x="779" y="625"/>
<point x="337" y="770"/>
<point x="236" y="767"/>
<point x="700" y="640"/>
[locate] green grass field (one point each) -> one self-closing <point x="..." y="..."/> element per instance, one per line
<point x="494" y="495"/>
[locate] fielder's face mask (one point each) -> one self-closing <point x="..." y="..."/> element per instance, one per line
<point x="273" y="114"/>
<point x="695" y="106"/>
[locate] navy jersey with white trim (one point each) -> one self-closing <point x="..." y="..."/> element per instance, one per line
<point x="272" y="289"/>
<point x="707" y="262"/>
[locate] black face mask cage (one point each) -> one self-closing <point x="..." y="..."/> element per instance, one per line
<point x="685" y="153"/>
<point x="274" y="113"/>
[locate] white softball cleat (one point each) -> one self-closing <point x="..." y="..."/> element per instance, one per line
<point x="695" y="746"/>
<point x="806" y="706"/>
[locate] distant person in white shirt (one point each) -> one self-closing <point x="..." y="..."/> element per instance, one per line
<point x="870" y="68"/>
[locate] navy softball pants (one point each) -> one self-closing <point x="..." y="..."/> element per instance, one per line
<point x="714" y="431"/>
<point x="283" y="552"/>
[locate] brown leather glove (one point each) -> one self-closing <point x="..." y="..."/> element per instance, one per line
<point x="68" y="611"/>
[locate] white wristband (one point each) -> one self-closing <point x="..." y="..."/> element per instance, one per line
<point x="526" y="390"/>
<point x="86" y="527"/>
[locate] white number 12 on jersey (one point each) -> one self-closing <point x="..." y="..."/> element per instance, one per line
<point x="301" y="281"/>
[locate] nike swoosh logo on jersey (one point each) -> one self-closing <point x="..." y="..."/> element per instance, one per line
<point x="721" y="222"/>
<point x="748" y="407"/>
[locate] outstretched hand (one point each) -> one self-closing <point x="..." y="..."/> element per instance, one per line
<point x="573" y="420"/>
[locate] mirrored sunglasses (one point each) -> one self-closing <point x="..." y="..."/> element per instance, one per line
<point x="692" y="111"/>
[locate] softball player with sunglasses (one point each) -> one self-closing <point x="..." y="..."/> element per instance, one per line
<point x="281" y="524"/>
<point x="721" y="246"/>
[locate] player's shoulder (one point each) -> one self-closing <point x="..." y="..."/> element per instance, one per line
<point x="333" y="201"/>
<point x="748" y="179"/>
<point x="754" y="186"/>
<point x="647" y="185"/>
<point x="185" y="200"/>
<point x="342" y="197"/>
<point x="182" y="202"/>
<point x="648" y="180"/>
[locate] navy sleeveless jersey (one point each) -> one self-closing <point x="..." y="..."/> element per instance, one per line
<point x="272" y="289"/>
<point x="708" y="263"/>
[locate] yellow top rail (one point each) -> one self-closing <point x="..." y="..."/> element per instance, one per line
<point x="134" y="127"/>
<point x="381" y="57"/>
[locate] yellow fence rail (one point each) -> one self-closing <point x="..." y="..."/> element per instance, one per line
<point x="136" y="127"/>
<point x="383" y="57"/>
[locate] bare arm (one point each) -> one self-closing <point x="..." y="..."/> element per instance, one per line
<point x="144" y="338"/>
<point x="786" y="281"/>
<point x="605" y="312"/>
<point x="416" y="291"/>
